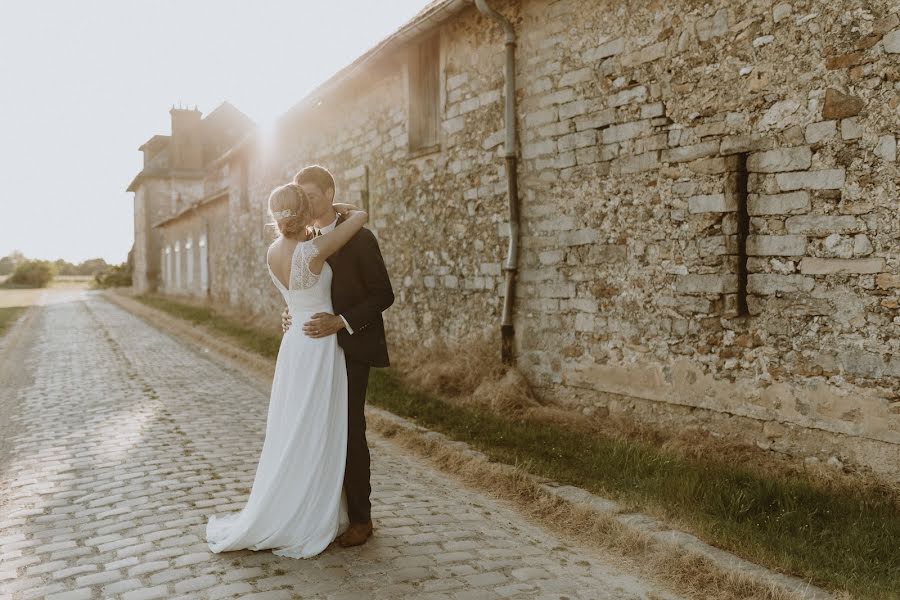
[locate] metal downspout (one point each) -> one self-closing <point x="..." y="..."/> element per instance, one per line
<point x="512" y="259"/>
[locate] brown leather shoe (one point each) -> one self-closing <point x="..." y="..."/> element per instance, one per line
<point x="356" y="534"/>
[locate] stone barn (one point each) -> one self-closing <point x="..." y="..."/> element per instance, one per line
<point x="708" y="205"/>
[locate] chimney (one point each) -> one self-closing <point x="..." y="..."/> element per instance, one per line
<point x="186" y="146"/>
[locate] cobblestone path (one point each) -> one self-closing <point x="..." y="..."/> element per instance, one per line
<point x="119" y="442"/>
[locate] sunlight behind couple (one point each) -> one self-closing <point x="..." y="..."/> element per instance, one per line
<point x="93" y="80"/>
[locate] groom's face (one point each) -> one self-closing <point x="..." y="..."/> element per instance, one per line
<point x="320" y="199"/>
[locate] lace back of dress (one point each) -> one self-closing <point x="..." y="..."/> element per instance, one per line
<point x="301" y="277"/>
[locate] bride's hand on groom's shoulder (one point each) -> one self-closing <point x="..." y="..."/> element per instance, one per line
<point x="343" y="208"/>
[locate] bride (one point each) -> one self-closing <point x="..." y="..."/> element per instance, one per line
<point x="297" y="505"/>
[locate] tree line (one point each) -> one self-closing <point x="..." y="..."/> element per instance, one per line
<point x="27" y="272"/>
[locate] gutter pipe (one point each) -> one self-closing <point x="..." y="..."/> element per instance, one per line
<point x="512" y="259"/>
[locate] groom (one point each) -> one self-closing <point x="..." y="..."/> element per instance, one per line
<point x="360" y="291"/>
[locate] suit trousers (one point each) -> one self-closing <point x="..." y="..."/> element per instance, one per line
<point x="357" y="470"/>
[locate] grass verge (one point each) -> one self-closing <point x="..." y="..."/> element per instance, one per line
<point x="8" y="285"/>
<point x="833" y="536"/>
<point x="249" y="338"/>
<point x="688" y="573"/>
<point x="8" y="315"/>
<point x="829" y="533"/>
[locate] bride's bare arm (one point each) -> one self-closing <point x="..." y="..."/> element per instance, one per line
<point x="332" y="241"/>
<point x="329" y="243"/>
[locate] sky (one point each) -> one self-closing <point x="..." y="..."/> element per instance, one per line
<point x="84" y="83"/>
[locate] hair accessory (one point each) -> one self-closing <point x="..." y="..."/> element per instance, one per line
<point x="281" y="214"/>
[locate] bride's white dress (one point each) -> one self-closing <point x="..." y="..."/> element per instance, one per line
<point x="297" y="505"/>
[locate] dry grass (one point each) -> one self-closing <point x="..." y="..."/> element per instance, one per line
<point x="468" y="373"/>
<point x="688" y="573"/>
<point x="59" y="290"/>
<point x="8" y="315"/>
<point x="471" y="373"/>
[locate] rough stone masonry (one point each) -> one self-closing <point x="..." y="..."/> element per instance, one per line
<point x="709" y="196"/>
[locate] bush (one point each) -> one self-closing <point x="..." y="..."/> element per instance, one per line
<point x="91" y="266"/>
<point x="9" y="263"/>
<point x="33" y="273"/>
<point x="7" y="266"/>
<point x="114" y="276"/>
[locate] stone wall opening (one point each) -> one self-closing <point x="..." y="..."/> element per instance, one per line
<point x="737" y="187"/>
<point x="424" y="94"/>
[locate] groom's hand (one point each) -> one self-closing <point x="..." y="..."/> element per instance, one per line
<point x="285" y="320"/>
<point x="323" y="325"/>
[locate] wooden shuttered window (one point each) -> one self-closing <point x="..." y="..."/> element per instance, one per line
<point x="424" y="94"/>
<point x="245" y="183"/>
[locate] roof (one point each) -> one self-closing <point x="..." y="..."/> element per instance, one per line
<point x="214" y="197"/>
<point x="434" y="14"/>
<point x="168" y="173"/>
<point x="227" y="110"/>
<point x="156" y="140"/>
<point x="224" y="127"/>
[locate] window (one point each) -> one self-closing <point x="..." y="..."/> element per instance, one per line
<point x="424" y="94"/>
<point x="177" y="264"/>
<point x="168" y="276"/>
<point x="245" y="183"/>
<point x="204" y="269"/>
<point x="189" y="255"/>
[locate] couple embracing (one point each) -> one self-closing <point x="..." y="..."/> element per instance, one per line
<point x="312" y="483"/>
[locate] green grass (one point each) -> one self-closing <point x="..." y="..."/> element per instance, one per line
<point x="56" y="282"/>
<point x="839" y="537"/>
<point x="8" y="315"/>
<point x="249" y="338"/>
<point x="9" y="285"/>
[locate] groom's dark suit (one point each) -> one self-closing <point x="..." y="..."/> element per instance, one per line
<point x="360" y="291"/>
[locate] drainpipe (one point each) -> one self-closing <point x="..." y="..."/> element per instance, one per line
<point x="512" y="259"/>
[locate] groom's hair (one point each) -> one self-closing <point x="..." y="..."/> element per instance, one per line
<point x="316" y="174"/>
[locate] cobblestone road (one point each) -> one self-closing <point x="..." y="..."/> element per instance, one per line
<point x="120" y="442"/>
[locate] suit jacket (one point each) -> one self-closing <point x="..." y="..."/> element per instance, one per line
<point x="360" y="291"/>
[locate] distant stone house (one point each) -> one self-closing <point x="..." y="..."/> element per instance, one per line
<point x="709" y="207"/>
<point x="180" y="203"/>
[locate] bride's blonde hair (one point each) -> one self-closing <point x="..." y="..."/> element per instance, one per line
<point x="289" y="206"/>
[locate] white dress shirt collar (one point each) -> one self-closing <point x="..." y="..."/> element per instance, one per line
<point x="330" y="226"/>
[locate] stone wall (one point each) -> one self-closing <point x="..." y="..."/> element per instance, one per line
<point x="210" y="221"/>
<point x="650" y="122"/>
<point x="152" y="203"/>
<point x="709" y="197"/>
<point x="144" y="269"/>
